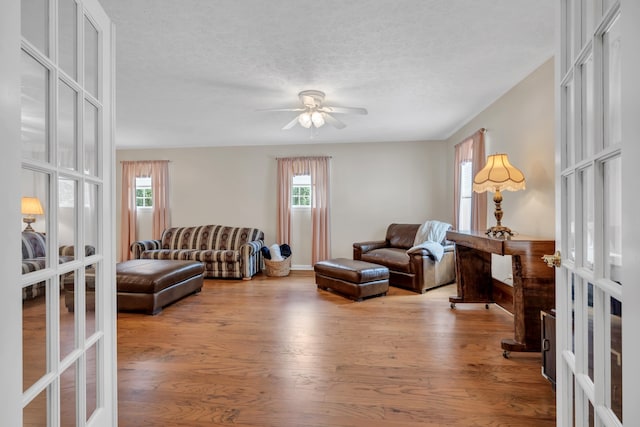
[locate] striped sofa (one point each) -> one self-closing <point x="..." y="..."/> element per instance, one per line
<point x="34" y="258"/>
<point x="226" y="252"/>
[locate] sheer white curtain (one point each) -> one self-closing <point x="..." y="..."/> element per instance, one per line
<point x="470" y="150"/>
<point x="158" y="170"/>
<point x="319" y="170"/>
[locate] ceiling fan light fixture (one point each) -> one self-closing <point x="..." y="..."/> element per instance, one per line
<point x="317" y="119"/>
<point x="305" y="120"/>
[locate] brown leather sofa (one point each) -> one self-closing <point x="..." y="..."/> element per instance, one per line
<point x="417" y="271"/>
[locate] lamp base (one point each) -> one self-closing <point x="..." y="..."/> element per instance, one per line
<point x="28" y="220"/>
<point x="499" y="231"/>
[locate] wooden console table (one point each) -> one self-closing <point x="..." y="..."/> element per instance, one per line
<point x="533" y="287"/>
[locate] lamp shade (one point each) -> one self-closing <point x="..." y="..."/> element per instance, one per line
<point x="317" y="119"/>
<point x="498" y="174"/>
<point x="31" y="206"/>
<point x="305" y="120"/>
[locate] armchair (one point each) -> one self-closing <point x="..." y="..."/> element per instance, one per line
<point x="411" y="266"/>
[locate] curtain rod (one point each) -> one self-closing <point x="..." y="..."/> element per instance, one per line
<point x="142" y="161"/>
<point x="305" y="157"/>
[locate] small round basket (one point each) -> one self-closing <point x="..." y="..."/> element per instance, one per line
<point x="277" y="268"/>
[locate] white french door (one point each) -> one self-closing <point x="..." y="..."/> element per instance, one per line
<point x="60" y="316"/>
<point x="594" y="42"/>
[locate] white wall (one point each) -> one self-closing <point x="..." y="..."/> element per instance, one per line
<point x="372" y="185"/>
<point x="521" y="124"/>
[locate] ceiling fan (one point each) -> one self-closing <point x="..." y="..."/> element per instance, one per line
<point x="314" y="114"/>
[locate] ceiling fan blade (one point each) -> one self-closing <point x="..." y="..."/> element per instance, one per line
<point x="333" y="121"/>
<point x="291" y="124"/>
<point x="281" y="109"/>
<point x="344" y="110"/>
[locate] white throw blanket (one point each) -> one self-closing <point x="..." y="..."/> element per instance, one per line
<point x="274" y="250"/>
<point x="430" y="236"/>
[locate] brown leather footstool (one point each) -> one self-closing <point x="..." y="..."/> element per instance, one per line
<point x="351" y="278"/>
<point x="148" y="285"/>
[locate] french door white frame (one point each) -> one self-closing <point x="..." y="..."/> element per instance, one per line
<point x="584" y="286"/>
<point x="103" y="340"/>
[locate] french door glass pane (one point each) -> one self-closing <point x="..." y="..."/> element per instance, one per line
<point x="35" y="23"/>
<point x="572" y="310"/>
<point x="613" y="87"/>
<point x="67" y="211"/>
<point x="68" y="341"/>
<point x="91" y="277"/>
<point x="68" y="396"/>
<point x="606" y="4"/>
<point x="35" y="413"/>
<point x="616" y="357"/>
<point x="35" y="200"/>
<point x="90" y="58"/>
<point x="587" y="108"/>
<point x="569" y="190"/>
<point x="91" y="215"/>
<point x="34" y="337"/>
<point x="90" y="139"/>
<point x="67" y="37"/>
<point x="67" y="124"/>
<point x="587" y="217"/>
<point x="588" y="11"/>
<point x="613" y="218"/>
<point x="590" y="326"/>
<point x="92" y="385"/>
<point x="34" y="98"/>
<point x="568" y="30"/>
<point x="570" y="125"/>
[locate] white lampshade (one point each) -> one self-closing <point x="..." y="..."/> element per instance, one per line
<point x="305" y="120"/>
<point x="31" y="206"/>
<point x="498" y="174"/>
<point x="317" y="119"/>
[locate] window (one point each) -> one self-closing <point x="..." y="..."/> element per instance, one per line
<point x="144" y="192"/>
<point x="464" y="214"/>
<point x="301" y="191"/>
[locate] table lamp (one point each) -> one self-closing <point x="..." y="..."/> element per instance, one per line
<point x="31" y="206"/>
<point x="497" y="175"/>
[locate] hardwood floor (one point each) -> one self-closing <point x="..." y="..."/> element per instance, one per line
<point x="279" y="352"/>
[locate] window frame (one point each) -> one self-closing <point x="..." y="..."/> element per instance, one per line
<point x="141" y="182"/>
<point x="298" y="183"/>
<point x="465" y="166"/>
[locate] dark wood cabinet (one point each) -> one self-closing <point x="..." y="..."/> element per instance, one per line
<point x="548" y="327"/>
<point x="533" y="287"/>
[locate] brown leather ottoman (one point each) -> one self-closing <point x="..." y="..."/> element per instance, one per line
<point x="148" y="285"/>
<point x="354" y="279"/>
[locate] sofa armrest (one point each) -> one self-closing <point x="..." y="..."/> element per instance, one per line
<point x="251" y="257"/>
<point x="69" y="250"/>
<point x="250" y="248"/>
<point x="364" y="247"/>
<point x="144" y="245"/>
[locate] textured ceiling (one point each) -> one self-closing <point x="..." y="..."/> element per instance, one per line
<point x="195" y="72"/>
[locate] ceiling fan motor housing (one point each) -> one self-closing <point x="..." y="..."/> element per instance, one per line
<point x="311" y="98"/>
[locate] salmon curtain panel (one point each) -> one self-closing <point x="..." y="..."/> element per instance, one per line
<point x="470" y="150"/>
<point x="158" y="170"/>
<point x="318" y="168"/>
